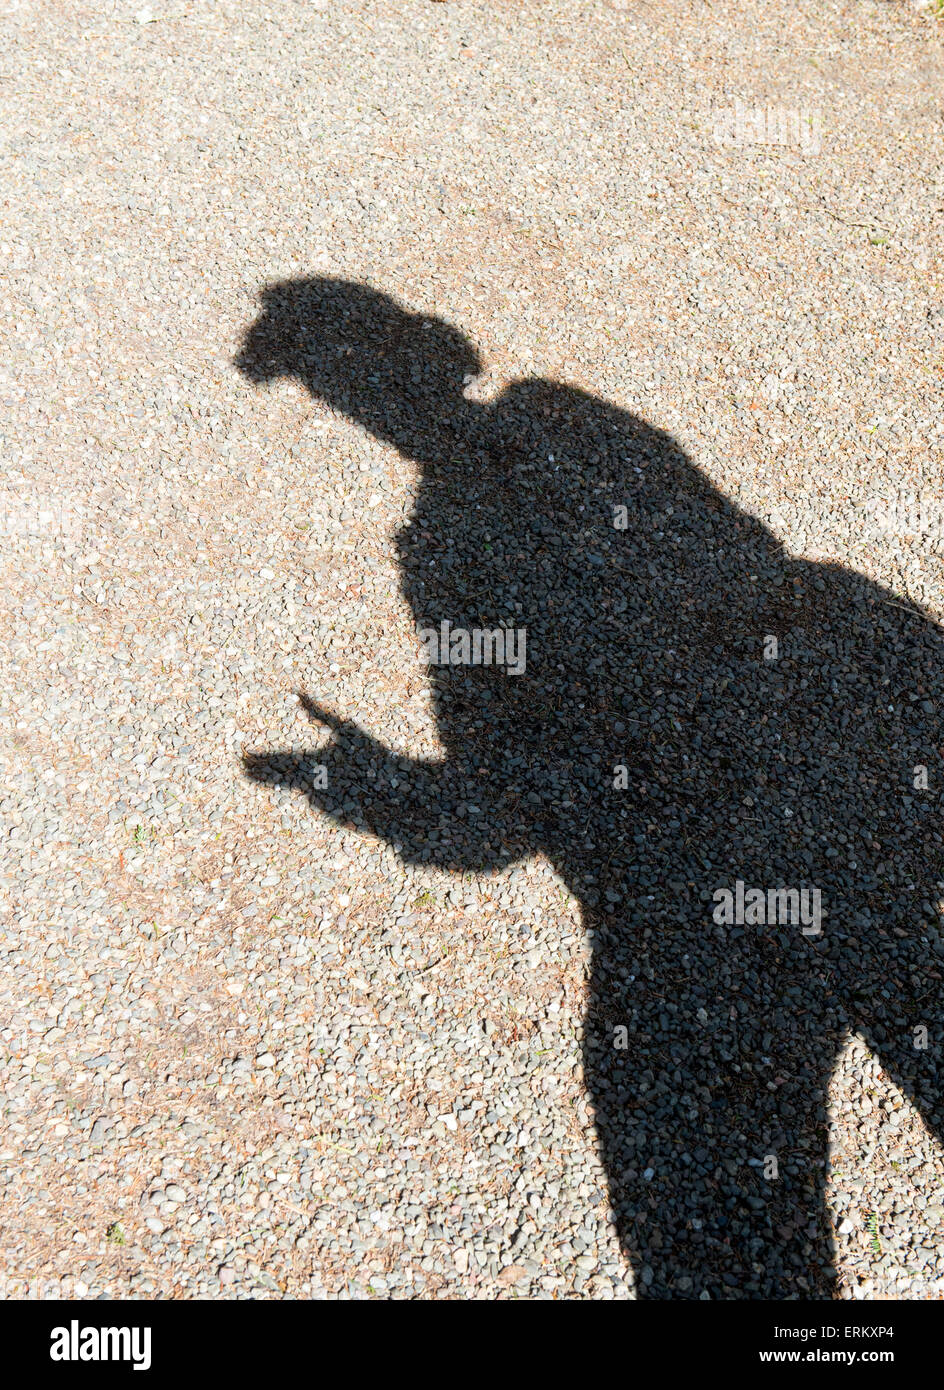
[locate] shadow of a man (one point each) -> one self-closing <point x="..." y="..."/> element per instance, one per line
<point x="695" y="711"/>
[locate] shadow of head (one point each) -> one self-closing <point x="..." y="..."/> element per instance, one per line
<point x="357" y="349"/>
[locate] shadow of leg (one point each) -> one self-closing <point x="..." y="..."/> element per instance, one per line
<point x="711" y="1120"/>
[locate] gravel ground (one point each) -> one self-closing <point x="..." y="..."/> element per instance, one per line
<point x="264" y="1043"/>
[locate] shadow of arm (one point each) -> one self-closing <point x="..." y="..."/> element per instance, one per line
<point x="900" y="1016"/>
<point x="432" y="813"/>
